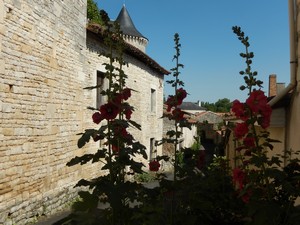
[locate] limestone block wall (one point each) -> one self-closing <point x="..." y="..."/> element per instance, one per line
<point x="142" y="79"/>
<point x="46" y="60"/>
<point x="42" y="105"/>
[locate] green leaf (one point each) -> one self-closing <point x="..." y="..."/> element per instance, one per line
<point x="85" y="138"/>
<point x="88" y="202"/>
<point x="100" y="154"/>
<point x="272" y="140"/>
<point x="135" y="124"/>
<point x="82" y="160"/>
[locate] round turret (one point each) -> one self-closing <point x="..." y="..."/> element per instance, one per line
<point x="131" y="34"/>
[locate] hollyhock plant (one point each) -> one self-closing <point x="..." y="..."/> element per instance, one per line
<point x="178" y="114"/>
<point x="97" y="117"/>
<point x="126" y="93"/>
<point x="240" y="130"/>
<point x="154" y="165"/>
<point x="119" y="151"/>
<point x="249" y="142"/>
<point x="239" y="110"/>
<point x="109" y="111"/>
<point x="128" y="112"/>
<point x="239" y="177"/>
<point x="257" y="101"/>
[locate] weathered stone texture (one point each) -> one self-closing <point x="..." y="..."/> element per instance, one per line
<point x="46" y="60"/>
<point x="42" y="105"/>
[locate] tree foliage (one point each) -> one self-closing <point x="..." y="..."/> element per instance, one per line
<point x="93" y="13"/>
<point x="222" y="105"/>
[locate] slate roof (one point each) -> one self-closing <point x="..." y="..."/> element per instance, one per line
<point x="126" y="24"/>
<point x="191" y="106"/>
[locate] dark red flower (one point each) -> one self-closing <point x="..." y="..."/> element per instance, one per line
<point x="264" y="120"/>
<point x="115" y="148"/>
<point x="154" y="165"/>
<point x="239" y="177"/>
<point x="97" y="117"/>
<point x="120" y="131"/>
<point x="109" y="111"/>
<point x="128" y="113"/>
<point x="239" y="110"/>
<point x="177" y="114"/>
<point x="181" y="94"/>
<point x="257" y="101"/>
<point x="117" y="99"/>
<point x="126" y="93"/>
<point x="249" y="142"/>
<point x="240" y="130"/>
<point x="171" y="102"/>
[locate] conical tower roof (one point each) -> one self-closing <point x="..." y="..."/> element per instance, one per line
<point x="126" y="24"/>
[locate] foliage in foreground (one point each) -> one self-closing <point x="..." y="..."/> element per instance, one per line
<point x="258" y="192"/>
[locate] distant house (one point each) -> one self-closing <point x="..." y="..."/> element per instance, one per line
<point x="187" y="138"/>
<point x="192" y="107"/>
<point x="210" y="125"/>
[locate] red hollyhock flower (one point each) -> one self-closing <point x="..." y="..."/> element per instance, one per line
<point x="128" y="113"/>
<point x="171" y="102"/>
<point x="177" y="114"/>
<point x="264" y="121"/>
<point x="117" y="99"/>
<point x="154" y="165"/>
<point x="120" y="131"/>
<point x="239" y="177"/>
<point x="115" y="148"/>
<point x="126" y="93"/>
<point x="239" y="110"/>
<point x="249" y="142"/>
<point x="181" y="94"/>
<point x="109" y="111"/>
<point x="97" y="117"/>
<point x="257" y="101"/>
<point x="240" y="130"/>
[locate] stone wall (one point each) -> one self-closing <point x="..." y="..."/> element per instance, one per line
<point x="141" y="79"/>
<point x="45" y="62"/>
<point x="42" y="105"/>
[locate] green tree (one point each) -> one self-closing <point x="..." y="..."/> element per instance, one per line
<point x="93" y="13"/>
<point x="222" y="105"/>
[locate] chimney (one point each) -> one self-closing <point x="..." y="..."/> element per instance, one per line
<point x="280" y="87"/>
<point x="272" y="85"/>
<point x="199" y="103"/>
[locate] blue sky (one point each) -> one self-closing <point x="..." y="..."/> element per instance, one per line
<point x="210" y="50"/>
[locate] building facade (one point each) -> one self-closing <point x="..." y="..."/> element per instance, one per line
<point x="47" y="56"/>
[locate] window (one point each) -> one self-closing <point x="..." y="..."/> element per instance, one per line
<point x="153" y="100"/>
<point x="152" y="149"/>
<point x="100" y="87"/>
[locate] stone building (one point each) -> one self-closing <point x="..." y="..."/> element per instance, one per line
<point x="48" y="55"/>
